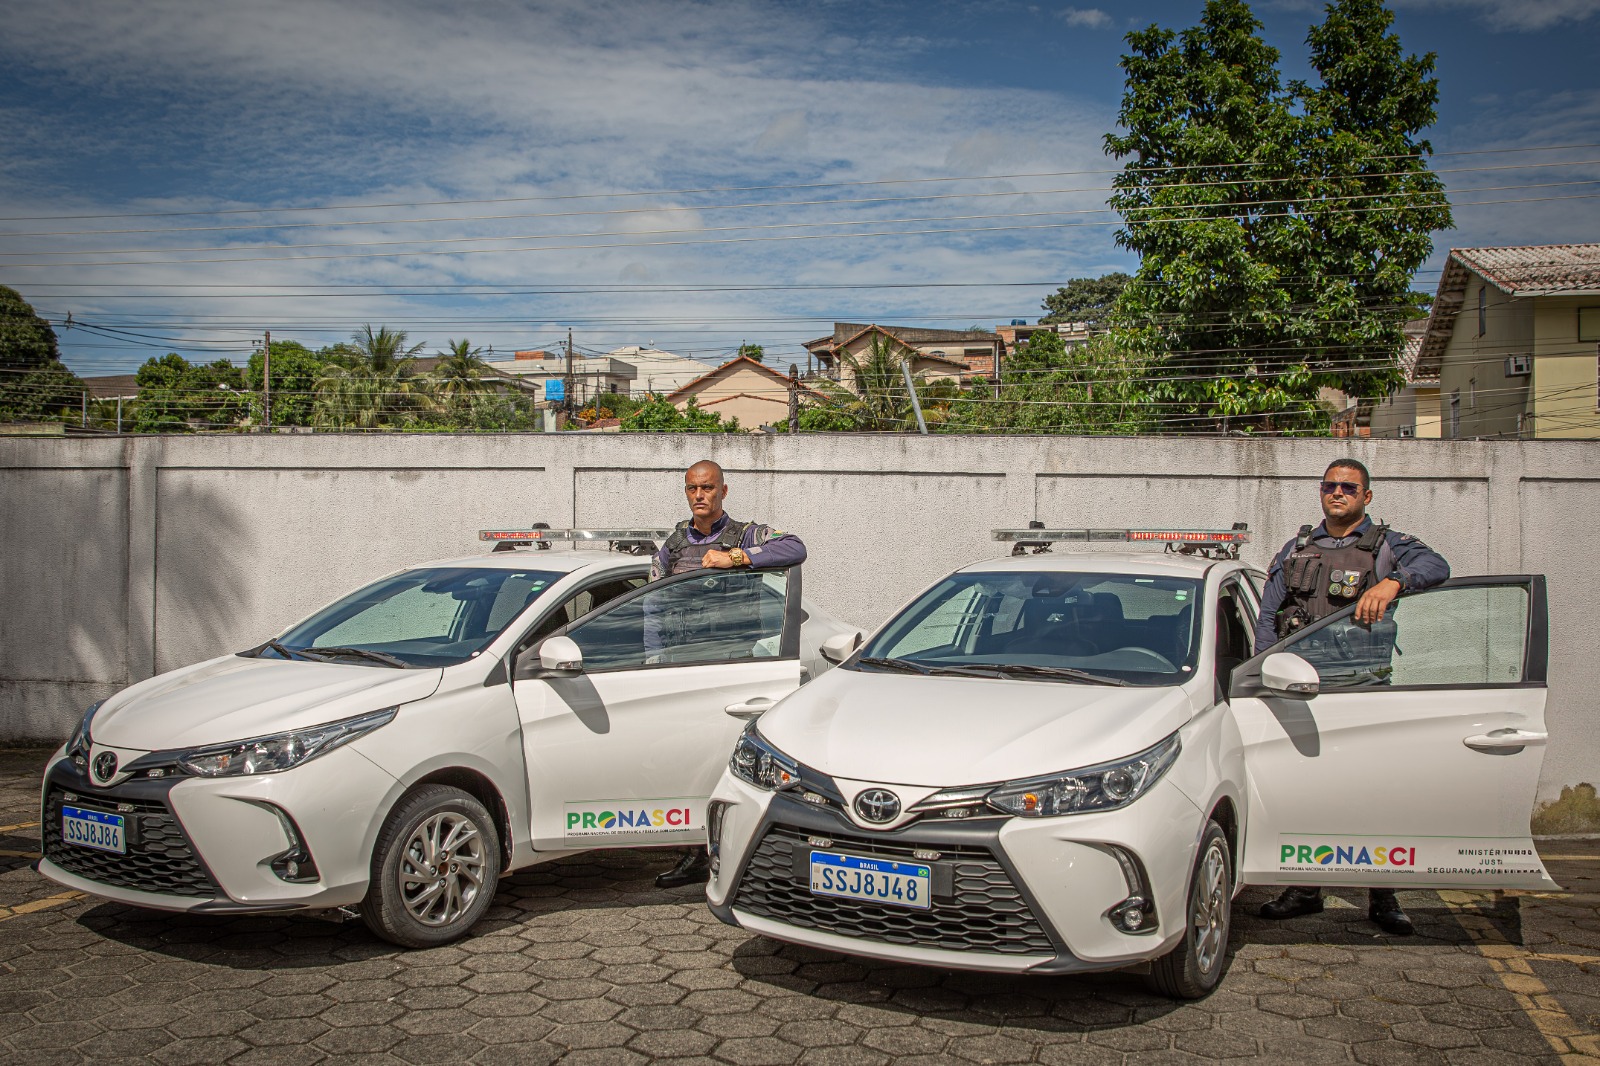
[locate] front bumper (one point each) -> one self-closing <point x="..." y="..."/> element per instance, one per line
<point x="1011" y="895"/>
<point x="207" y="845"/>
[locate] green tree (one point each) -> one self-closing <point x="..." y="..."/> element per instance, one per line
<point x="1048" y="386"/>
<point x="751" y="351"/>
<point x="295" y="370"/>
<point x="1278" y="227"/>
<point x="1088" y="300"/>
<point x="34" y="385"/>
<point x="177" y="396"/>
<point x="26" y="341"/>
<point x="659" y="416"/>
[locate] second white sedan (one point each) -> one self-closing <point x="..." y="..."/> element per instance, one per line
<point x="1071" y="762"/>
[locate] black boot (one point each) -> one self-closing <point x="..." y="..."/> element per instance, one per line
<point x="1294" y="901"/>
<point x="1384" y="910"/>
<point x="694" y="868"/>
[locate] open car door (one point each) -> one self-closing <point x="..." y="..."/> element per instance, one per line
<point x="624" y="750"/>
<point x="1415" y="765"/>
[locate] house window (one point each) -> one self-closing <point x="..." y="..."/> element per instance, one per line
<point x="1483" y="309"/>
<point x="1455" y="413"/>
<point x="1589" y="323"/>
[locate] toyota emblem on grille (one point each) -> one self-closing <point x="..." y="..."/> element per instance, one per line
<point x="105" y="765"/>
<point x="878" y="805"/>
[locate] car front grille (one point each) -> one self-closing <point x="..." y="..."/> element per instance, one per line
<point x="159" y="858"/>
<point x="986" y="912"/>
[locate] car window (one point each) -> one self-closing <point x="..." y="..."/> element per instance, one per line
<point x="580" y="604"/>
<point x="430" y="616"/>
<point x="1458" y="637"/>
<point x="1127" y="627"/>
<point x="718" y="616"/>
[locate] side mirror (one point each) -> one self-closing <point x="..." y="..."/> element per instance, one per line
<point x="1286" y="674"/>
<point x="836" y="649"/>
<point x="561" y="654"/>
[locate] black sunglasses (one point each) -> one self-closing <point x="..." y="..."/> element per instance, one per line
<point x="1349" y="488"/>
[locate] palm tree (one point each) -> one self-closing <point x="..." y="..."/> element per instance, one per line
<point x="879" y="384"/>
<point x="377" y="389"/>
<point x="461" y="371"/>
<point x="385" y="351"/>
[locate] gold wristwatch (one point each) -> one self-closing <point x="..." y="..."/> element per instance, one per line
<point x="739" y="557"/>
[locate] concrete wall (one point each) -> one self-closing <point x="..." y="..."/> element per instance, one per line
<point x="122" y="557"/>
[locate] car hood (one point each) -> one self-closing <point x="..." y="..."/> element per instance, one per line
<point x="235" y="698"/>
<point x="945" y="732"/>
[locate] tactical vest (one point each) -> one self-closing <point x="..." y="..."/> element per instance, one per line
<point x="682" y="556"/>
<point x="1319" y="580"/>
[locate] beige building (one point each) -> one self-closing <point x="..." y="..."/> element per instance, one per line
<point x="941" y="353"/>
<point x="1413" y="411"/>
<point x="744" y="389"/>
<point x="1514" y="342"/>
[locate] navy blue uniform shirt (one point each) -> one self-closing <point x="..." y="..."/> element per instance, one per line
<point x="1400" y="556"/>
<point x="774" y="549"/>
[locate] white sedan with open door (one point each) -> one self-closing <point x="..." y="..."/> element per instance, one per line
<point x="400" y="749"/>
<point x="1058" y="763"/>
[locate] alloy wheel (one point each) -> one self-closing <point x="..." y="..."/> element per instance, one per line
<point x="441" y="870"/>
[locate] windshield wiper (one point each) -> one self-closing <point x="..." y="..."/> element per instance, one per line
<point x="903" y="665"/>
<point x="282" y="649"/>
<point x="363" y="653"/>
<point x="1058" y="673"/>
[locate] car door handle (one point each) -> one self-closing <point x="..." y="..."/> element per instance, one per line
<point x="750" y="708"/>
<point x="1502" y="739"/>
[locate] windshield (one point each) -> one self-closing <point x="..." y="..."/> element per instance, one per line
<point x="1116" y="628"/>
<point x="437" y="616"/>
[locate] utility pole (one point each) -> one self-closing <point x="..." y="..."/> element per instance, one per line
<point x="85" y="408"/>
<point x="266" y="381"/>
<point x="794" y="398"/>
<point x="911" y="387"/>
<point x="567" y="382"/>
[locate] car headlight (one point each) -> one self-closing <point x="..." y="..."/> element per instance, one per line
<point x="1094" y="788"/>
<point x="270" y="755"/>
<point x="760" y="764"/>
<point x="79" y="743"/>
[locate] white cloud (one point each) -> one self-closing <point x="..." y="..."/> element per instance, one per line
<point x="302" y="104"/>
<point x="1086" y="18"/>
<point x="1525" y="16"/>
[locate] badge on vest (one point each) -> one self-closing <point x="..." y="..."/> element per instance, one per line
<point x="1344" y="584"/>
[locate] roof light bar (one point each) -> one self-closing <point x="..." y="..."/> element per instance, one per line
<point x="1169" y="536"/>
<point x="577" y="535"/>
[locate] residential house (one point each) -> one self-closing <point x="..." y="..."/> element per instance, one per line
<point x="1514" y="341"/>
<point x="1413" y="410"/>
<point x="592" y="375"/>
<point x="658" y="371"/>
<point x="1017" y="333"/>
<point x="942" y="353"/>
<point x="742" y="388"/>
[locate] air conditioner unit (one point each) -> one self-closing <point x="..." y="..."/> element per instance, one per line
<point x="1408" y="431"/>
<point x="1519" y="365"/>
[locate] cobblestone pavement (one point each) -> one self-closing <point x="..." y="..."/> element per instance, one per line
<point x="585" y="961"/>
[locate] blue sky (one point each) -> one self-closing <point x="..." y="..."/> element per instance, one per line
<point x="685" y="165"/>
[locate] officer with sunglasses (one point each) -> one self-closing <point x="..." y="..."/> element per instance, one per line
<point x="1346" y="559"/>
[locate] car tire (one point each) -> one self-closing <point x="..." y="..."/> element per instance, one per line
<point x="434" y="868"/>
<point x="1194" y="968"/>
